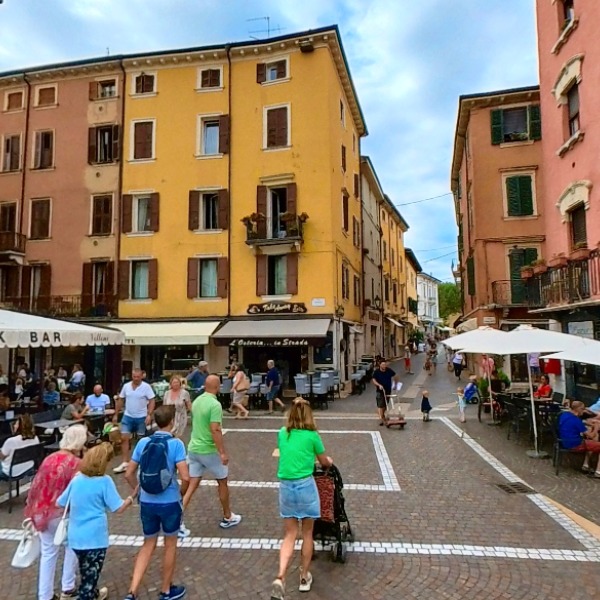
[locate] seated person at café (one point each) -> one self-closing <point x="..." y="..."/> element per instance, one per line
<point x="576" y="437"/>
<point x="18" y="389"/>
<point x="24" y="436"/>
<point x="592" y="411"/>
<point x="51" y="396"/>
<point x="75" y="411"/>
<point x="77" y="380"/>
<point x="544" y="391"/>
<point x="98" y="401"/>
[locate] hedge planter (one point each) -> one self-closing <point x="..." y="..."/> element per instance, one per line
<point x="539" y="269"/>
<point x="557" y="261"/>
<point x="580" y="254"/>
<point x="527" y="273"/>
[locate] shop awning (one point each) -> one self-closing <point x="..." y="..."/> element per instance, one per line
<point x="396" y="323"/>
<point x="174" y="333"/>
<point x="246" y="331"/>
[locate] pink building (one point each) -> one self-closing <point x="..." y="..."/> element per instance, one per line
<point x="569" y="62"/>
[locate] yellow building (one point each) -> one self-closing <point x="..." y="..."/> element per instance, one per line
<point x="413" y="268"/>
<point x="240" y="208"/>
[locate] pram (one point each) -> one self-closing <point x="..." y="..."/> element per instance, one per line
<point x="393" y="414"/>
<point x="333" y="526"/>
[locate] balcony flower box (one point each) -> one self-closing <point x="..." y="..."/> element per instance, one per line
<point x="539" y="269"/>
<point x="579" y="254"/>
<point x="557" y="261"/>
<point x="526" y="272"/>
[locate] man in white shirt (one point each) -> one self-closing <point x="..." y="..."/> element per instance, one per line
<point x="98" y="401"/>
<point x="138" y="397"/>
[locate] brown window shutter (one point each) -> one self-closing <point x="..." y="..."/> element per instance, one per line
<point x="292" y="273"/>
<point x="115" y="143"/>
<point x="15" y="153"/>
<point x="37" y="155"/>
<point x="45" y="286"/>
<point x="110" y="278"/>
<point x="154" y="211"/>
<point x="139" y="84"/>
<point x="93" y="90"/>
<point x="12" y="284"/>
<point x="153" y="279"/>
<point x="261" y="275"/>
<point x="224" y="134"/>
<point x="223" y="196"/>
<point x="205" y="80"/>
<point x="87" y="285"/>
<point x="127" y="214"/>
<point x="281" y="69"/>
<point x="92" y="145"/>
<point x="261" y="73"/>
<point x="292" y="205"/>
<point x="282" y="126"/>
<point x="124" y="272"/>
<point x="25" y="287"/>
<point x="343" y="158"/>
<point x="142" y="142"/>
<point x="356" y="185"/>
<point x="222" y="278"/>
<point x="215" y="78"/>
<point x="194" y="210"/>
<point x="261" y="209"/>
<point x="192" y="276"/>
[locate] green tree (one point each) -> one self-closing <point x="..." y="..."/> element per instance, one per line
<point x="449" y="299"/>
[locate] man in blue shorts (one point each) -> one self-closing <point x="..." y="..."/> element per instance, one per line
<point x="273" y="382"/>
<point x="383" y="378"/>
<point x="138" y="397"/>
<point x="160" y="511"/>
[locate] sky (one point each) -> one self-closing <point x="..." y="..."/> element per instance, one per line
<point x="410" y="62"/>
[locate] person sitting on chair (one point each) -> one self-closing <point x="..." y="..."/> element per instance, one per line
<point x="544" y="391"/>
<point x="75" y="411"/>
<point x="51" y="396"/>
<point x="576" y="437"/>
<point x="24" y="436"/>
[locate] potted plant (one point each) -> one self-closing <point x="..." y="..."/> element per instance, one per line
<point x="580" y="252"/>
<point x="539" y="266"/>
<point x="526" y="272"/>
<point x="558" y="260"/>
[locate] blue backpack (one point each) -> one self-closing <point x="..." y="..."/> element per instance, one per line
<point x="155" y="475"/>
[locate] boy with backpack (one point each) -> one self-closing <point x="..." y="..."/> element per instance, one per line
<point x="161" y="459"/>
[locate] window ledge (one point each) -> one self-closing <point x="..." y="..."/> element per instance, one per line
<point x="207" y="231"/>
<point x="203" y="90"/>
<point x="112" y="163"/>
<point x="42" y="169"/>
<point x="520" y="218"/>
<point x="517" y="143"/>
<point x="564" y="36"/>
<point x="276" y="81"/>
<point x="144" y="95"/>
<point x="30" y="239"/>
<point x="107" y="98"/>
<point x="46" y="106"/>
<point x="100" y="235"/>
<point x="570" y="143"/>
<point x="12" y="172"/>
<point x="140" y="233"/>
<point x="138" y="301"/>
<point x="276" y="297"/>
<point x="141" y="160"/>
<point x="208" y="299"/>
<point x="207" y="156"/>
<point x="277" y="148"/>
<point x="13" y="110"/>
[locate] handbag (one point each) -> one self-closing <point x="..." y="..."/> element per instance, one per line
<point x="60" y="535"/>
<point x="29" y="548"/>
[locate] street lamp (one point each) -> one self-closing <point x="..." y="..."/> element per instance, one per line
<point x="377" y="302"/>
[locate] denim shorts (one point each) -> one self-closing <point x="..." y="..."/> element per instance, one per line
<point x="160" y="516"/>
<point x="272" y="393"/>
<point x="131" y="425"/>
<point x="200" y="464"/>
<point x="299" y="499"/>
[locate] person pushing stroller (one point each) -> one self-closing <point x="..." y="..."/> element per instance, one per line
<point x="383" y="379"/>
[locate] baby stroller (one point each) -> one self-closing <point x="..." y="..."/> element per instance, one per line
<point x="393" y="414"/>
<point x="333" y="526"/>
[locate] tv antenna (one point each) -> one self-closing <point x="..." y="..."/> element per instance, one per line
<point x="268" y="30"/>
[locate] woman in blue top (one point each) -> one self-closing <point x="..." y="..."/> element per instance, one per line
<point x="89" y="495"/>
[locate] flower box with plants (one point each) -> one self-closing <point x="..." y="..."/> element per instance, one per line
<point x="580" y="252"/>
<point x="539" y="266"/>
<point x="557" y="261"/>
<point x="526" y="272"/>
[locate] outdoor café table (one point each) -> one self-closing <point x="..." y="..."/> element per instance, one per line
<point x="55" y="425"/>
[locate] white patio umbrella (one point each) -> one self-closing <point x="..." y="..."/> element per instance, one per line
<point x="587" y="352"/>
<point x="485" y="337"/>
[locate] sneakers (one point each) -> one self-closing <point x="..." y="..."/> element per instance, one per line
<point x="183" y="531"/>
<point x="121" y="468"/>
<point x="176" y="592"/>
<point x="131" y="596"/>
<point x="72" y="595"/>
<point x="305" y="583"/>
<point x="277" y="590"/>
<point x="102" y="593"/>
<point x="231" y="522"/>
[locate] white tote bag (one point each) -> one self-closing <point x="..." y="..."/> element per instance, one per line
<point x="29" y="547"/>
<point x="60" y="535"/>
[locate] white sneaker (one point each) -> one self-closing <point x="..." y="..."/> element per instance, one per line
<point x="305" y="583"/>
<point x="231" y="522"/>
<point x="183" y="531"/>
<point x="121" y="468"/>
<point x="277" y="590"/>
<point x="102" y="593"/>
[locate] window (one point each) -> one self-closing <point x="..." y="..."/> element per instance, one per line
<point x="276" y="128"/>
<point x="100" y="280"/>
<point x="103" y="144"/>
<point x="143" y="140"/>
<point x="276" y="275"/>
<point x="345" y="282"/>
<point x="140" y="279"/>
<point x="345" y="213"/>
<point x="393" y="256"/>
<point x="8" y="216"/>
<point x="355" y="232"/>
<point x="43" y="157"/>
<point x="40" y="219"/>
<point x="208" y="277"/>
<point x="395" y="293"/>
<point x="519" y="196"/>
<point x="578" y="227"/>
<point x="342" y="113"/>
<point x="357" y="290"/>
<point x="573" y="109"/>
<point x="140" y="213"/>
<point x="210" y="78"/>
<point x="145" y="83"/>
<point x="210" y="136"/>
<point x="471" y="276"/>
<point x="354" y="142"/>
<point x="568" y="11"/>
<point x="517" y="124"/>
<point x="383" y="215"/>
<point x="142" y="220"/>
<point x="210" y="211"/>
<point x="101" y="90"/>
<point x="46" y="96"/>
<point x="11" y="153"/>
<point x="102" y="214"/>
<point x="386" y="289"/>
<point x="271" y="71"/>
<point x="14" y="100"/>
<point x="384" y="250"/>
<point x="276" y="209"/>
<point x="343" y="158"/>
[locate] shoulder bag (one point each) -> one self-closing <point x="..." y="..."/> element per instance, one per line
<point x="60" y="535"/>
<point x="29" y="548"/>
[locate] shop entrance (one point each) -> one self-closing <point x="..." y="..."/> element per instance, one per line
<point x="287" y="360"/>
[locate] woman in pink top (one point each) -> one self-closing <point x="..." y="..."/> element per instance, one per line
<point x="51" y="480"/>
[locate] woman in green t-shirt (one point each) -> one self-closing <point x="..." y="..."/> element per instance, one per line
<point x="299" y="445"/>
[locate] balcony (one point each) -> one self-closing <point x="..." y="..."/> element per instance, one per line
<point x="12" y="243"/>
<point x="575" y="281"/>
<point x="512" y="292"/>
<point x="269" y="231"/>
<point x="79" y="306"/>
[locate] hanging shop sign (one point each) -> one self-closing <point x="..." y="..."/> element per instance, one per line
<point x="258" y="343"/>
<point x="275" y="308"/>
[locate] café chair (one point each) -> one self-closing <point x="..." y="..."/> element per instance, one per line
<point x="33" y="453"/>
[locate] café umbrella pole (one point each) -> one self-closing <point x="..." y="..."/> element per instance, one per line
<point x="535" y="453"/>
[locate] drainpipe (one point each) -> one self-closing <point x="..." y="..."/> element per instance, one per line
<point x="25" y="153"/>
<point x="120" y="184"/>
<point x="228" y="51"/>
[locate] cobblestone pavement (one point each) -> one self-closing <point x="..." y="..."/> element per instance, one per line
<point x="429" y="518"/>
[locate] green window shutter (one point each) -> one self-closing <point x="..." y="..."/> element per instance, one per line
<point x="471" y="276"/>
<point x="535" y="122"/>
<point x="526" y="194"/>
<point x="519" y="195"/>
<point x="497" y="126"/>
<point x="531" y="255"/>
<point x="512" y="197"/>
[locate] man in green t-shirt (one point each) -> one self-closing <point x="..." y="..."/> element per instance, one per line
<point x="206" y="450"/>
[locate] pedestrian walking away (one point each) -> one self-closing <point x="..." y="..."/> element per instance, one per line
<point x="383" y="378"/>
<point x="161" y="459"/>
<point x="87" y="498"/>
<point x="407" y="363"/>
<point x="273" y="382"/>
<point x="138" y="397"/>
<point x="299" y="446"/>
<point x="206" y="450"/>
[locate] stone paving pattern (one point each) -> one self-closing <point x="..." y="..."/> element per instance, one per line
<point x="448" y="496"/>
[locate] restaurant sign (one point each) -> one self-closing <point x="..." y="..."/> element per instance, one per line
<point x="274" y="308"/>
<point x="258" y="343"/>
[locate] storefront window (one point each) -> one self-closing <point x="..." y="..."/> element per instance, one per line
<point x="324" y="354"/>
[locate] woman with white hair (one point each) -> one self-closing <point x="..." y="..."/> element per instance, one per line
<point x="51" y="480"/>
